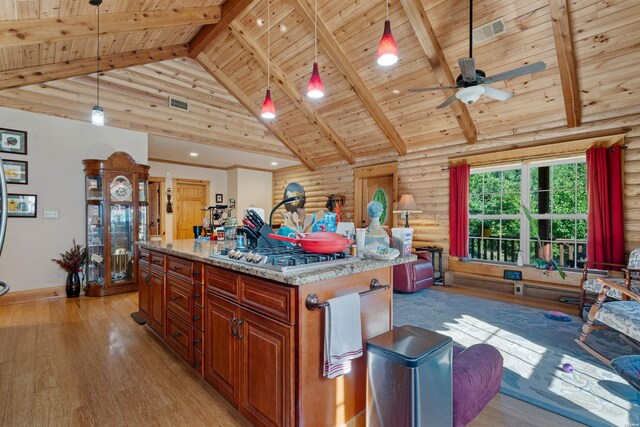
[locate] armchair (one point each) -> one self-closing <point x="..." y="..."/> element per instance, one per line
<point x="623" y="316"/>
<point x="630" y="281"/>
<point x="413" y="276"/>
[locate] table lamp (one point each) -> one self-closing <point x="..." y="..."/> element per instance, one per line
<point x="406" y="205"/>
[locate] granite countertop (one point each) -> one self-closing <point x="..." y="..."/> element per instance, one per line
<point x="200" y="250"/>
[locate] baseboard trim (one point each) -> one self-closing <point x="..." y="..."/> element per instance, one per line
<point x="21" y="297"/>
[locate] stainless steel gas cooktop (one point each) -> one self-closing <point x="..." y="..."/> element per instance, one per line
<point x="284" y="258"/>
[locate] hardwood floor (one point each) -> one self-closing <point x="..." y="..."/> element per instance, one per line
<point x="85" y="362"/>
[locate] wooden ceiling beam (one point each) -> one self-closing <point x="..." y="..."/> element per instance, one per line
<point x="431" y="47"/>
<point x="34" y="31"/>
<point x="81" y="67"/>
<point x="566" y="61"/>
<point x="231" y="9"/>
<point x="253" y="108"/>
<point x="331" y="48"/>
<point x="291" y="91"/>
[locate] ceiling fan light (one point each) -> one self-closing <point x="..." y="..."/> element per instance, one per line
<point x="387" y="48"/>
<point x="315" y="88"/>
<point x="471" y="94"/>
<point x="268" y="110"/>
<point x="97" y="116"/>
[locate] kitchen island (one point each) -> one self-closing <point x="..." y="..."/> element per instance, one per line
<point x="247" y="330"/>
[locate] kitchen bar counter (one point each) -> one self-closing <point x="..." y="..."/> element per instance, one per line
<point x="198" y="250"/>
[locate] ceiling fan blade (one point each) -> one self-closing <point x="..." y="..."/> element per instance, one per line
<point x="447" y="102"/>
<point x="468" y="69"/>
<point x="498" y="94"/>
<point x="427" y="89"/>
<point x="527" y="69"/>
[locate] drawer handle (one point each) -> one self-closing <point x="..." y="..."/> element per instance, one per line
<point x="196" y="273"/>
<point x="237" y="334"/>
<point x="177" y="268"/>
<point x="176" y="298"/>
<point x="197" y="341"/>
<point x="156" y="261"/>
<point x="233" y="321"/>
<point x="147" y="279"/>
<point x="197" y="295"/>
<point x="196" y="318"/>
<point x="196" y="364"/>
<point x="175" y="335"/>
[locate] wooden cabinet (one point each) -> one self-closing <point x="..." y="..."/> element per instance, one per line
<point x="144" y="288"/>
<point x="116" y="208"/>
<point x="156" y="302"/>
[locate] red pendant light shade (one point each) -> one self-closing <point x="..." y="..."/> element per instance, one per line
<point x="268" y="110"/>
<point x="387" y="49"/>
<point x="315" y="88"/>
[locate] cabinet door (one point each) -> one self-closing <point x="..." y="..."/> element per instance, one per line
<point x="267" y="372"/>
<point x="144" y="288"/>
<point x="156" y="304"/>
<point x="221" y="346"/>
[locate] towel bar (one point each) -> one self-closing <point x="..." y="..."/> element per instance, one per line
<point x="312" y="302"/>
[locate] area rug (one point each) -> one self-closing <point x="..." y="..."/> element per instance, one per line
<point x="534" y="349"/>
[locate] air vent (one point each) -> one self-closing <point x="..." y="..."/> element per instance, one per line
<point x="180" y="104"/>
<point x="488" y="31"/>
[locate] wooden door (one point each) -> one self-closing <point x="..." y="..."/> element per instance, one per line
<point x="221" y="364"/>
<point x="267" y="374"/>
<point x="155" y="211"/>
<point x="156" y="303"/>
<point x="380" y="185"/>
<point x="144" y="294"/>
<point x="368" y="180"/>
<point x="190" y="198"/>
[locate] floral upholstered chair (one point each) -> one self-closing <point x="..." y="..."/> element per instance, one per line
<point x="623" y="316"/>
<point x="630" y="280"/>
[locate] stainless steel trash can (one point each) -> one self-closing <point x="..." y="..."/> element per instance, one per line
<point x="409" y="379"/>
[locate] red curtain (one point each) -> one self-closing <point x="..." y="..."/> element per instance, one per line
<point x="459" y="210"/>
<point x="605" y="226"/>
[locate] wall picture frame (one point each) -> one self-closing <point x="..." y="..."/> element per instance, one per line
<point x="13" y="141"/>
<point x="22" y="205"/>
<point x="219" y="198"/>
<point x="16" y="171"/>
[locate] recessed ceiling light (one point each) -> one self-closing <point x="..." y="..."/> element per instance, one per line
<point x="396" y="91"/>
<point x="274" y="163"/>
<point x="283" y="28"/>
<point x="193" y="154"/>
<point x="260" y="22"/>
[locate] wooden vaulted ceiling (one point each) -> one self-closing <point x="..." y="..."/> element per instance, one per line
<point x="213" y="53"/>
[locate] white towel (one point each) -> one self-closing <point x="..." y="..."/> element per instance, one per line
<point x="342" y="335"/>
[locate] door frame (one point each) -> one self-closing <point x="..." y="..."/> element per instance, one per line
<point x="175" y="200"/>
<point x="373" y="171"/>
<point x="161" y="196"/>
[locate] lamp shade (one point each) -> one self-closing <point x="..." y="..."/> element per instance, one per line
<point x="387" y="48"/>
<point x="97" y="116"/>
<point x="268" y="110"/>
<point x="315" y="88"/>
<point x="407" y="204"/>
<point x="469" y="95"/>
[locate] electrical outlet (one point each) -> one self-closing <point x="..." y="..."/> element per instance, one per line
<point x="518" y="288"/>
<point x="50" y="214"/>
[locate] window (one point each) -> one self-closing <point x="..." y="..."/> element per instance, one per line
<point x="555" y="193"/>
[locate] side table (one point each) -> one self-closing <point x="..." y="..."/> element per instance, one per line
<point x="438" y="276"/>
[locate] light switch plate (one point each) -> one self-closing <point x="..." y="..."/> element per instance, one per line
<point x="50" y="214"/>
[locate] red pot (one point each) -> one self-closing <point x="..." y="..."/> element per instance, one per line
<point x="319" y="242"/>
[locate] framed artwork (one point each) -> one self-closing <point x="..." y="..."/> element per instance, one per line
<point x="16" y="171"/>
<point x="13" y="141"/>
<point x="22" y="205"/>
<point x="219" y="198"/>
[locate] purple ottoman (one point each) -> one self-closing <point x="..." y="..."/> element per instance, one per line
<point x="477" y="373"/>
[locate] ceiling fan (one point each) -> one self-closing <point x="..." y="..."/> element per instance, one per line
<point x="473" y="82"/>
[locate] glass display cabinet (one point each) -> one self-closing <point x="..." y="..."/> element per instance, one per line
<point x="117" y="216"/>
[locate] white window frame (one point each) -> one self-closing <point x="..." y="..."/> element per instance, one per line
<point x="525" y="198"/>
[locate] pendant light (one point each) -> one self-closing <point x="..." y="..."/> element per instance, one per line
<point x="268" y="110"/>
<point x="97" y="113"/>
<point x="387" y="49"/>
<point x="315" y="88"/>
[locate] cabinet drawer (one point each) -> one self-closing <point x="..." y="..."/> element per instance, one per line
<point x="143" y="255"/>
<point x="179" y="336"/>
<point x="198" y="321"/>
<point x="221" y="282"/>
<point x="272" y="300"/>
<point x="181" y="267"/>
<point x="144" y="266"/>
<point x="156" y="260"/>
<point x="198" y="363"/>
<point x="198" y="295"/>
<point x="179" y="298"/>
<point x="197" y="340"/>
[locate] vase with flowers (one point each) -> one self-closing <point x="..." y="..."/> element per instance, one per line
<point x="72" y="262"/>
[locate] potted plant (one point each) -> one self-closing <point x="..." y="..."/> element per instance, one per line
<point x="72" y="262"/>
